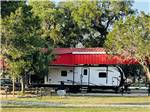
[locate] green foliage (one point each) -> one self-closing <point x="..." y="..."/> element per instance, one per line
<point x="70" y="31"/>
<point x="88" y="22"/>
<point x="80" y="21"/>
<point x="85" y="12"/>
<point x="22" y="42"/>
<point x="130" y="38"/>
<point x="16" y="68"/>
<point x="50" y="17"/>
<point x="8" y="7"/>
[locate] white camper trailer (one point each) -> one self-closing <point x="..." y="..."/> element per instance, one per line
<point x="105" y="77"/>
<point x="90" y="68"/>
<point x="75" y="68"/>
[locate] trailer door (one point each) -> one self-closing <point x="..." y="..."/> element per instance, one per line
<point x="85" y="72"/>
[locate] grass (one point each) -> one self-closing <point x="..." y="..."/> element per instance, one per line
<point x="77" y="100"/>
<point x="85" y="99"/>
<point x="76" y="110"/>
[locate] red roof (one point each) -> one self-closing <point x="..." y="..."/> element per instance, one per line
<point x="75" y="56"/>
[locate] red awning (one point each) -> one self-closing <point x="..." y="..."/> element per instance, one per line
<point x="75" y="56"/>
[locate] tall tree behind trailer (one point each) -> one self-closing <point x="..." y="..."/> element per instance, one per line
<point x="130" y="38"/>
<point x="89" y="21"/>
<point x="9" y="6"/>
<point x="50" y="18"/>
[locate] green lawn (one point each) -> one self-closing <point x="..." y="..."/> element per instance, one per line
<point x="85" y="99"/>
<point x="76" y="110"/>
<point x="74" y="100"/>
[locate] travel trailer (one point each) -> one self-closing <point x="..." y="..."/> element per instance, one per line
<point x="91" y="77"/>
<point x="90" y="68"/>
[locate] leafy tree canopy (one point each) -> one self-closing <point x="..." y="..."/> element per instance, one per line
<point x="22" y="43"/>
<point x="79" y="21"/>
<point x="130" y="37"/>
<point x="89" y="21"/>
<point x="50" y="19"/>
<point x="9" y="6"/>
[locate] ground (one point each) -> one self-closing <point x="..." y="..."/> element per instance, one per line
<point x="77" y="104"/>
<point x="76" y="110"/>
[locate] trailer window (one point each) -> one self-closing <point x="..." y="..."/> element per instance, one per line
<point x="64" y="73"/>
<point x="85" y="71"/>
<point x="102" y="74"/>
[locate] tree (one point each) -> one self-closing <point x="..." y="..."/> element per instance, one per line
<point x="8" y="7"/>
<point x="58" y="27"/>
<point x="71" y="34"/>
<point x="16" y="68"/>
<point x="50" y="17"/>
<point x="80" y="21"/>
<point x="22" y="44"/>
<point x="130" y="38"/>
<point x="95" y="18"/>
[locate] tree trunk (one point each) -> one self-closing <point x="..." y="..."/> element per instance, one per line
<point x="22" y="85"/>
<point x="13" y="86"/>
<point x="148" y="73"/>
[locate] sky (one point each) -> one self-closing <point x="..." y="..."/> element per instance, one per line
<point x="141" y="5"/>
